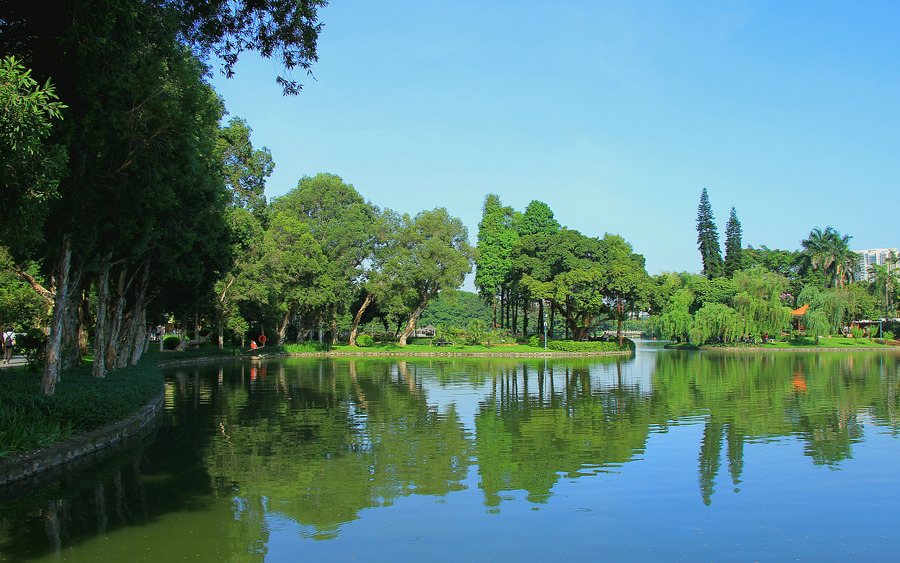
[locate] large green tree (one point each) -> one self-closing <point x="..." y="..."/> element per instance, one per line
<point x="435" y="257"/>
<point x="142" y="200"/>
<point x="533" y="255"/>
<point x="708" y="239"/>
<point x="245" y="172"/>
<point x="497" y="237"/>
<point x="31" y="165"/>
<point x="344" y="226"/>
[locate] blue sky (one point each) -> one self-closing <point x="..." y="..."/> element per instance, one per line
<point x="616" y="114"/>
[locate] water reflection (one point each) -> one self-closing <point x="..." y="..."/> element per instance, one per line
<point x="251" y="446"/>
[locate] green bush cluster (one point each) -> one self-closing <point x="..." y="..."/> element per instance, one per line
<point x="572" y="346"/>
<point x="33" y="344"/>
<point x="536" y="341"/>
<point x="171" y="342"/>
<point x="365" y="341"/>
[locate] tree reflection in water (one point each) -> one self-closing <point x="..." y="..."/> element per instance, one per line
<point x="316" y="442"/>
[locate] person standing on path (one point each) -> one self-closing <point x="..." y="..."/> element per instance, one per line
<point x="9" y="342"/>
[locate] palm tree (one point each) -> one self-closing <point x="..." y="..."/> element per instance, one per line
<point x="829" y="251"/>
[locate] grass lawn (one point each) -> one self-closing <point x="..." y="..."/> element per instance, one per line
<point x="394" y="347"/>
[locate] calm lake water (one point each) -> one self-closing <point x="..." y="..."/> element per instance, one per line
<point x="661" y="456"/>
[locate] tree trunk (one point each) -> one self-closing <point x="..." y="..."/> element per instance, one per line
<point x="100" y="328"/>
<point x="355" y="326"/>
<point x="60" y="304"/>
<point x="619" y="309"/>
<point x="524" y="317"/>
<point x="411" y="324"/>
<point x="282" y="328"/>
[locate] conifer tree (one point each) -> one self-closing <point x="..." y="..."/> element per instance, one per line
<point x="708" y="239"/>
<point x="733" y="258"/>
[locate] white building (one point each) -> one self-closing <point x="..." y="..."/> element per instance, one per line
<point x="870" y="257"/>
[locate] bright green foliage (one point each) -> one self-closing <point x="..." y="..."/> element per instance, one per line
<point x="758" y="301"/>
<point x="885" y="286"/>
<point x="537" y="220"/>
<point x="717" y="290"/>
<point x="784" y="262"/>
<point x="675" y="321"/>
<point x="829" y="252"/>
<point x="294" y="267"/>
<point x="476" y="331"/>
<point x="435" y="256"/>
<point x="343" y="226"/>
<point x="245" y="168"/>
<point x="860" y="303"/>
<point x="593" y="280"/>
<point x="30" y="164"/>
<point x="497" y="237"/>
<point x="245" y="171"/>
<point x="708" y="239"/>
<point x="20" y="305"/>
<point x="572" y="346"/>
<point x="716" y="321"/>
<point x="733" y="251"/>
<point x="458" y="308"/>
<point x="364" y="341"/>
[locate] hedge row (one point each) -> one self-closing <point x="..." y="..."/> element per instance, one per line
<point x="572" y="346"/>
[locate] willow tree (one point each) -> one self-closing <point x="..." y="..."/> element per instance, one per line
<point x="758" y="301"/>
<point x="674" y="321"/>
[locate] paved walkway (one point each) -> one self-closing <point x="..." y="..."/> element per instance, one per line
<point x="15" y="362"/>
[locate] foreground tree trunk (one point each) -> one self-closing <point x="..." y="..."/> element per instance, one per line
<point x="282" y="328"/>
<point x="354" y="328"/>
<point x="411" y="323"/>
<point x="101" y="328"/>
<point x="57" y="325"/>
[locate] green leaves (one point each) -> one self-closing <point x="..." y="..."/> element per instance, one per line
<point x="31" y="166"/>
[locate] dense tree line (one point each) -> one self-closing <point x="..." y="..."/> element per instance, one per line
<point x="527" y="261"/>
<point x="755" y="291"/>
<point x="114" y="190"/>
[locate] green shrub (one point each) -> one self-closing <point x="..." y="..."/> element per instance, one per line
<point x="171" y="342"/>
<point x="34" y="346"/>
<point x="571" y="346"/>
<point x="536" y="341"/>
<point x="364" y="341"/>
<point x="887" y="335"/>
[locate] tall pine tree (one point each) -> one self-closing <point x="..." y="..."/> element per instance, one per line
<point x="733" y="258"/>
<point x="708" y="239"/>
